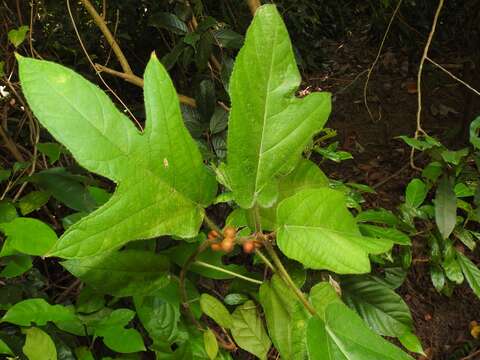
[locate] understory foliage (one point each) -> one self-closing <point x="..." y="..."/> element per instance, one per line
<point x="293" y="252"/>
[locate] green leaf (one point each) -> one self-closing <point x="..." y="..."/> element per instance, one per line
<point x="322" y="295"/>
<point x="17" y="36"/>
<point x="432" y="171"/>
<point x="248" y="331"/>
<point x="122" y="273"/>
<point x="286" y="318"/>
<point x="316" y="229"/>
<point x="416" y="193"/>
<point x="65" y="187"/>
<point x="471" y="272"/>
<point x="4" y="348"/>
<point x="83" y="353"/>
<point x="16" y="265"/>
<point x="306" y="175"/>
<point x="171" y="22"/>
<point x="37" y="311"/>
<point x="450" y="263"/>
<point x="268" y="127"/>
<point x="391" y="234"/>
<point x="213" y="308"/>
<point x="344" y="336"/>
<point x="39" y="345"/>
<point x="228" y="38"/>
<point x="380" y="307"/>
<point x="160" y="313"/>
<point x="162" y="181"/>
<point x="89" y="301"/>
<point x="33" y="201"/>
<point x="454" y="157"/>
<point x="211" y="345"/>
<point x="235" y="299"/>
<point x="445" y="207"/>
<point x="474" y="130"/>
<point x="51" y="150"/>
<point x="116" y="336"/>
<point x="7" y="212"/>
<point x="219" y="121"/>
<point x="28" y="236"/>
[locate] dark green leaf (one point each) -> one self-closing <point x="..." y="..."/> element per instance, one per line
<point x="445" y="207"/>
<point x="51" y="150"/>
<point x="168" y="21"/>
<point x="16" y="265"/>
<point x="122" y="273"/>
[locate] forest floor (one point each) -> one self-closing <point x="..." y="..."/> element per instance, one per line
<point x="382" y="161"/>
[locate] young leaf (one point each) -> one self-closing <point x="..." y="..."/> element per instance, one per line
<point x="211" y="345"/>
<point x="213" y="308"/>
<point x="286" y="319"/>
<point x="471" y="272"/>
<point x="162" y="181"/>
<point x="17" y="36"/>
<point x="415" y="193"/>
<point x="37" y="311"/>
<point x="445" y="207"/>
<point x="248" y="331"/>
<point x="39" y="345"/>
<point x="122" y="273"/>
<point x="28" y="236"/>
<point x="316" y="229"/>
<point x="344" y="336"/>
<point x="269" y="127"/>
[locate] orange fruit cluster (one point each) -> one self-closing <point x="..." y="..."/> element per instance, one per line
<point x="228" y="242"/>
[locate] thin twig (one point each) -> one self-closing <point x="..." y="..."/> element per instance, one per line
<point x="419" y="129"/>
<point x="453" y="76"/>
<point x="370" y="70"/>
<point x="93" y="65"/>
<point x="127" y="70"/>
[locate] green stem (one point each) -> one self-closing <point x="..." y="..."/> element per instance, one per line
<point x="264" y="259"/>
<point x="283" y="273"/>
<point x="207" y="265"/>
<point x="278" y="266"/>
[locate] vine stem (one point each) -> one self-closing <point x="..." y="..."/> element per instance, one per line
<point x="419" y="129"/>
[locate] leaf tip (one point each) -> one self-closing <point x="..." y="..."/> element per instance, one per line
<point x="153" y="56"/>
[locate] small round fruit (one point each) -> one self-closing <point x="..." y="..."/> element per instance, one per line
<point x="212" y="234"/>
<point x="215" y="247"/>
<point x="227" y="245"/>
<point x="229" y="232"/>
<point x="248" y="247"/>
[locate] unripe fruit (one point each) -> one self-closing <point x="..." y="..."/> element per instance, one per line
<point x="248" y="247"/>
<point x="215" y="247"/>
<point x="227" y="245"/>
<point x="212" y="234"/>
<point x="229" y="232"/>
